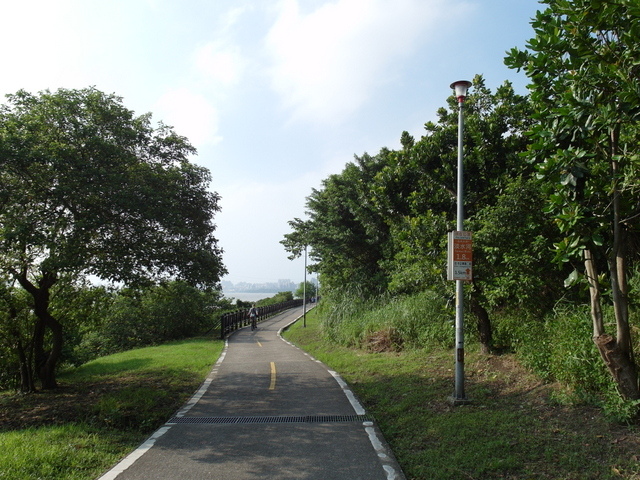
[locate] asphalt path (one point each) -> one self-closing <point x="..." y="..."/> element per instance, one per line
<point x="267" y="410"/>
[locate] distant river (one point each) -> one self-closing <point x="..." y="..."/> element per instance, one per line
<point x="248" y="296"/>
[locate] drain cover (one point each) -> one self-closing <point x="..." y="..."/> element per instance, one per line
<point x="272" y="419"/>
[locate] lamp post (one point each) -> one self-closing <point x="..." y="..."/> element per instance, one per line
<point x="304" y="291"/>
<point x="459" y="397"/>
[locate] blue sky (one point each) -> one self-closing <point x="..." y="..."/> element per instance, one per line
<point x="275" y="94"/>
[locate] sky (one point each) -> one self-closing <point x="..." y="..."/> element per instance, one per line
<point x="276" y="95"/>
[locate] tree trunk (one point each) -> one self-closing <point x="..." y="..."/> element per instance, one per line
<point x="618" y="357"/>
<point x="484" y="325"/>
<point x="594" y="293"/>
<point x="27" y="384"/>
<point x="618" y="353"/>
<point x="45" y="360"/>
<point x="621" y="366"/>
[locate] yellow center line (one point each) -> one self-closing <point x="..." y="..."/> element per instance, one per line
<point x="273" y="376"/>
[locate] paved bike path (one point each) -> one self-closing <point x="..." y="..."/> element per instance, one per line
<point x="267" y="410"/>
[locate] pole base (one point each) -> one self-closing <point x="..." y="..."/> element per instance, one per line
<point x="455" y="401"/>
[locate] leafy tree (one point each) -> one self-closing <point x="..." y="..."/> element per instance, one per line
<point x="416" y="194"/>
<point x="584" y="65"/>
<point x="345" y="230"/>
<point x="88" y="188"/>
<point x="279" y="297"/>
<point x="306" y="288"/>
<point x="514" y="240"/>
<point x="150" y="315"/>
<point x="381" y="224"/>
<point x="16" y="338"/>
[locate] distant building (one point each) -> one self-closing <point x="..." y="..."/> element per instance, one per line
<point x="269" y="287"/>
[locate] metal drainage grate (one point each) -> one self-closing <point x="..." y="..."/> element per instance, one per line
<point x="276" y="419"/>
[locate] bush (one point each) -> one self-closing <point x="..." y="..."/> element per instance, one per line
<point x="279" y="297"/>
<point x="157" y="314"/>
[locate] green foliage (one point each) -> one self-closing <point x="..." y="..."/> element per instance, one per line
<point x="150" y="316"/>
<point x="16" y="339"/>
<point x="346" y="231"/>
<point x="548" y="179"/>
<point x="305" y="288"/>
<point x="279" y="297"/>
<point x="584" y="87"/>
<point x="513" y="240"/>
<point x="380" y="225"/>
<point x="88" y="188"/>
<point x="559" y="348"/>
<point x="242" y="304"/>
<point x="99" y="321"/>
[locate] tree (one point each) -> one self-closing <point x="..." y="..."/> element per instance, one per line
<point x="345" y="230"/>
<point x="306" y="288"/>
<point x="416" y="194"/>
<point x="381" y="224"/>
<point x="16" y="338"/>
<point x="88" y="188"/>
<point x="583" y="64"/>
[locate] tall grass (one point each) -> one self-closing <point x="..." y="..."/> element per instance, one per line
<point x="414" y="321"/>
<point x="559" y="347"/>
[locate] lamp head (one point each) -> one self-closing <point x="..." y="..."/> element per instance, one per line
<point x="461" y="87"/>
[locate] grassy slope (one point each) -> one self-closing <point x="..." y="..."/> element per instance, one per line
<point x="101" y="411"/>
<point x="512" y="430"/>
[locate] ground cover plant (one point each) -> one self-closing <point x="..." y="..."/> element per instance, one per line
<point x="516" y="427"/>
<point x="100" y="412"/>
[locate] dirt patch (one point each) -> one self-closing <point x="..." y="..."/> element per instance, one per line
<point x="85" y="402"/>
<point x="387" y="340"/>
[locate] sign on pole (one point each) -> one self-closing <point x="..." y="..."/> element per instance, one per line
<point x="460" y="258"/>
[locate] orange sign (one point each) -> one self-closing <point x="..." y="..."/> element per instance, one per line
<point x="460" y="261"/>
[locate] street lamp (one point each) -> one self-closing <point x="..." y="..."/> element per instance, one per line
<point x="460" y="87"/>
<point x="304" y="291"/>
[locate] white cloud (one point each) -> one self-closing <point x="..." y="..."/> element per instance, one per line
<point x="328" y="63"/>
<point x="253" y="221"/>
<point x="191" y="114"/>
<point x="219" y="63"/>
<point x="221" y="60"/>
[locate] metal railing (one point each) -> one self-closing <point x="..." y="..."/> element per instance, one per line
<point x="232" y="321"/>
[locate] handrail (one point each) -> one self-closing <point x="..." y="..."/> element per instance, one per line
<point x="232" y="321"/>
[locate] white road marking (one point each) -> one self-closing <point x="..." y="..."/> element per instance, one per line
<point x="142" y="449"/>
<point x="135" y="455"/>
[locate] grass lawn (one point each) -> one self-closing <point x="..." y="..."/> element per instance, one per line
<point x="101" y="411"/>
<point x="512" y="429"/>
